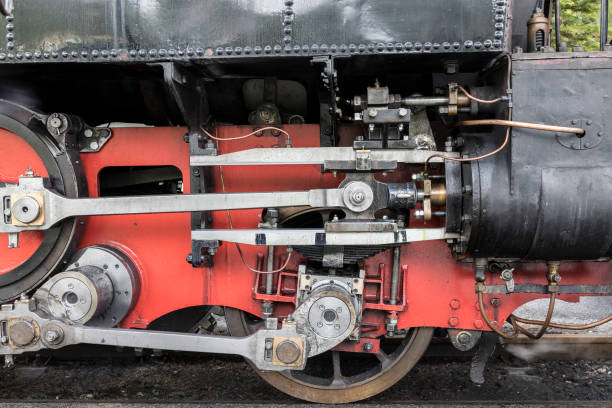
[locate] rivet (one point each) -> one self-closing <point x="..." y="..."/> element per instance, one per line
<point x="2" y="56"/>
<point x="10" y="45"/>
<point x="287" y="29"/>
<point x="600" y="133"/>
<point x="587" y="145"/>
<point x="455" y="304"/>
<point x="499" y="17"/>
<point x="287" y="39"/>
<point x="408" y="45"/>
<point x="352" y="48"/>
<point x="468" y="44"/>
<point x="296" y="49"/>
<point x="257" y="49"/>
<point x="247" y="50"/>
<point x="267" y="49"/>
<point x="478" y="45"/>
<point x="180" y="52"/>
<point x="333" y="48"/>
<point x="95" y="53"/>
<point x="104" y="53"/>
<point x="436" y="45"/>
<point x="10" y="27"/>
<point x="588" y="122"/>
<point x="113" y="53"/>
<point x="278" y="48"/>
<point x="427" y="46"/>
<point x="288" y="49"/>
<point x="190" y="51"/>
<point x="315" y="47"/>
<point x="371" y="46"/>
<point x="499" y="34"/>
<point x="219" y="51"/>
<point x="305" y="48"/>
<point x="390" y="46"/>
<point x="497" y="43"/>
<point x="171" y="52"/>
<point x="19" y="55"/>
<point x="200" y="50"/>
<point x="456" y="45"/>
<point x="380" y="46"/>
<point x="54" y="54"/>
<point x="446" y="45"/>
<point x="361" y="47"/>
<point x="488" y="43"/>
<point x="28" y="55"/>
<point x="399" y="46"/>
<point x="10" y="18"/>
<point x="323" y="47"/>
<point x="142" y="52"/>
<point x="453" y="321"/>
<point x="162" y="52"/>
<point x="10" y="36"/>
<point x="152" y="52"/>
<point x="133" y="53"/>
<point x="418" y="46"/>
<point x="478" y="324"/>
<point x="287" y="20"/>
<point x="343" y="47"/>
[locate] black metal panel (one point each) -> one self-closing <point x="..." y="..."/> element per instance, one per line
<point x="152" y="30"/>
<point x="550" y="197"/>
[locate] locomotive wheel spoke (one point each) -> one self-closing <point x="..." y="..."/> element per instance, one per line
<point x="384" y="359"/>
<point x="338" y="379"/>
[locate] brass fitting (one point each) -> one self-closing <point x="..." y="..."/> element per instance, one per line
<point x="553" y="276"/>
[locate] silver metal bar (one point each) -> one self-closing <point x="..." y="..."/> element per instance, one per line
<point x="270" y="277"/>
<point x="394" y="275"/>
<point x="313" y="155"/>
<point x="57" y="208"/>
<point x="425" y="100"/>
<point x="320" y="237"/>
<point x="242" y="346"/>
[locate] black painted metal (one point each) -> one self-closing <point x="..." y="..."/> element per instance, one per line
<point x="543" y="198"/>
<point x="161" y="30"/>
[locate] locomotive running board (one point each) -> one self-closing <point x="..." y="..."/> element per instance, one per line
<point x="320" y="236"/>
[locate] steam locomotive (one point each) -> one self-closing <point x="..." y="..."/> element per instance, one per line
<point x="331" y="180"/>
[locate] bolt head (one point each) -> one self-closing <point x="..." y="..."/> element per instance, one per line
<point x="51" y="336"/>
<point x="320" y="324"/>
<point x="464" y="338"/>
<point x="402" y="112"/>
<point x="94" y="145"/>
<point x="368" y="346"/>
<point x="372" y="113"/>
<point x="88" y="133"/>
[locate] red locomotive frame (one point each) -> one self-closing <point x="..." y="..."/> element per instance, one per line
<point x="435" y="289"/>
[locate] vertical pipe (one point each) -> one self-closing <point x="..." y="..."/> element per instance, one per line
<point x="269" y="276"/>
<point x="557" y="25"/>
<point x="603" y="25"/>
<point x="395" y="275"/>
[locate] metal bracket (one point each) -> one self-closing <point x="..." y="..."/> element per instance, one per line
<point x="594" y="134"/>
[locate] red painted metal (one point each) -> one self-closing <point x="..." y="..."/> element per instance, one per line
<point x="17" y="156"/>
<point x="435" y="289"/>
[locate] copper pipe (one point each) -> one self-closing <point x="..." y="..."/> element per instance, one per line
<point x="545" y="324"/>
<point x="526" y="125"/>
<point x="565" y="326"/>
<point x="470" y="96"/>
<point x="490" y="324"/>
